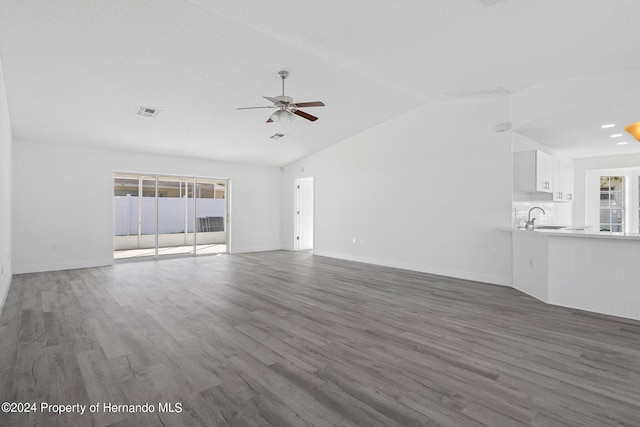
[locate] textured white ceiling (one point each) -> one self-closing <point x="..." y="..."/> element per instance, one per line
<point x="76" y="70"/>
<point x="576" y="133"/>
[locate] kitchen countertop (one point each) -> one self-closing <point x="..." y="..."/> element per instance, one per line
<point x="569" y="232"/>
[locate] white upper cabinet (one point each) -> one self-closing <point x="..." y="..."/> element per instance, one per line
<point x="533" y="171"/>
<point x="563" y="182"/>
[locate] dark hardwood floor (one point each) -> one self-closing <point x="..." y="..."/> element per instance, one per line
<point x="291" y="339"/>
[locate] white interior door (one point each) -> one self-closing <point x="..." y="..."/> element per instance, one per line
<point x="304" y="214"/>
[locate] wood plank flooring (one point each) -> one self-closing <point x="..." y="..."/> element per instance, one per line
<point x="292" y="339"/>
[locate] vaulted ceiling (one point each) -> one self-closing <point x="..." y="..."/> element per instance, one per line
<point x="76" y="71"/>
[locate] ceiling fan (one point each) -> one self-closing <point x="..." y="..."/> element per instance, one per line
<point x="285" y="105"/>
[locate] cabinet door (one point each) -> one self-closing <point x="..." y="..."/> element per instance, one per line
<point x="569" y="188"/>
<point x="544" y="172"/>
<point x="566" y="174"/>
<point x="563" y="181"/>
<point x="558" y="180"/>
<point x="533" y="171"/>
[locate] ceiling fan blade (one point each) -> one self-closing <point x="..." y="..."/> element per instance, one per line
<point x="305" y="115"/>
<point x="268" y="98"/>
<point x="309" y="104"/>
<point x="253" y="108"/>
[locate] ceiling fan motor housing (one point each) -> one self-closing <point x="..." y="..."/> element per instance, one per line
<point x="284" y="99"/>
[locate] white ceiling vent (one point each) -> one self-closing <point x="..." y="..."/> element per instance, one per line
<point x="277" y="135"/>
<point x="148" y="112"/>
<point x="503" y="127"/>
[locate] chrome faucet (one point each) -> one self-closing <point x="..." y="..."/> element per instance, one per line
<point x="531" y="222"/>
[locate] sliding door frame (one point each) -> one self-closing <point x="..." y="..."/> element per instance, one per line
<point x="193" y="179"/>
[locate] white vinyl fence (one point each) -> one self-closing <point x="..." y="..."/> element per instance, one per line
<point x="175" y="215"/>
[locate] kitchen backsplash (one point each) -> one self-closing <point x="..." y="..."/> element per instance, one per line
<point x="521" y="213"/>
<point x="556" y="213"/>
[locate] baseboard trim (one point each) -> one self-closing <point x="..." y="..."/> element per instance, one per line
<point x="72" y="265"/>
<point x="255" y="249"/>
<point x="458" y="274"/>
<point x="5" y="291"/>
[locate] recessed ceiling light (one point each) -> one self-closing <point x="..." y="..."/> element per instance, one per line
<point x="607" y="126"/>
<point x="616" y="135"/>
<point x="622" y="142"/>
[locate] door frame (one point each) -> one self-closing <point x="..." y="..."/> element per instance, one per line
<point x="156" y="177"/>
<point x="296" y="210"/>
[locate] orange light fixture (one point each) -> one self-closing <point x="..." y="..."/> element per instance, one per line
<point x="634" y="130"/>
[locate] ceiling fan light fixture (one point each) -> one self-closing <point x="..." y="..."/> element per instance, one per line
<point x="282" y="116"/>
<point x="634" y="130"/>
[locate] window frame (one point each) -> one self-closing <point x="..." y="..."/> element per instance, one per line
<point x="609" y="195"/>
<point x="631" y="197"/>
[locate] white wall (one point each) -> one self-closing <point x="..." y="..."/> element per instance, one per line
<point x="6" y="143"/>
<point x="531" y="264"/>
<point x="522" y="143"/>
<point x="56" y="175"/>
<point x="426" y="191"/>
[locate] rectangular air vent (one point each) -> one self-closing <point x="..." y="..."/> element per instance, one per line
<point x="148" y="112"/>
<point x="503" y="127"/>
<point x="277" y="135"/>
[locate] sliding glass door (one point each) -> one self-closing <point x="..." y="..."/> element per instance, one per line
<point x="135" y="216"/>
<point x="175" y="216"/>
<point x="211" y="215"/>
<point x="165" y="216"/>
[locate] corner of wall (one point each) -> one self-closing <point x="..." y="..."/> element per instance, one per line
<point x="6" y="205"/>
<point x="4" y="291"/>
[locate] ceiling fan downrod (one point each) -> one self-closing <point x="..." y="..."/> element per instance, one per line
<point x="283" y="75"/>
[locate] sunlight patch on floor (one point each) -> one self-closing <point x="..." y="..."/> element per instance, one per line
<point x="173" y="250"/>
